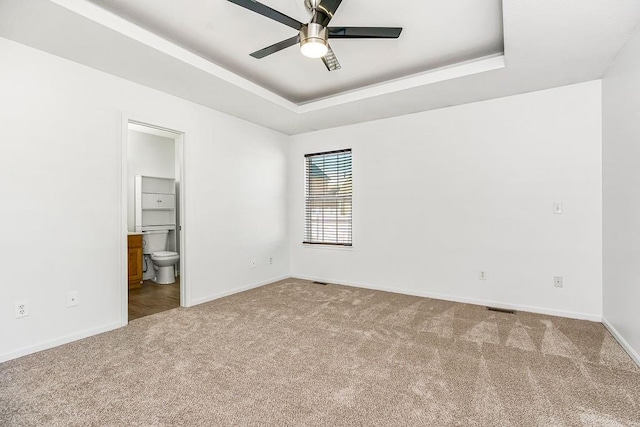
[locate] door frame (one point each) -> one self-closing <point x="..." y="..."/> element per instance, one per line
<point x="185" y="294"/>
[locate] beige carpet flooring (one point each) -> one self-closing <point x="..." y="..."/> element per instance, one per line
<point x="299" y="354"/>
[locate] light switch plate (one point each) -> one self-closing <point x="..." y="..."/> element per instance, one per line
<point x="557" y="208"/>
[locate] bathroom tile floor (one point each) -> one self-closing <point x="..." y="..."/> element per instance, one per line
<point x="153" y="298"/>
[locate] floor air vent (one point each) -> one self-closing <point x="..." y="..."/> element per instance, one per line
<point x="501" y="310"/>
<point x="319" y="283"/>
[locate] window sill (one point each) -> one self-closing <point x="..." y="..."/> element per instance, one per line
<point x="327" y="247"/>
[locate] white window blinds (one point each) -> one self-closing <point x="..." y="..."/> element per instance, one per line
<point x="328" y="192"/>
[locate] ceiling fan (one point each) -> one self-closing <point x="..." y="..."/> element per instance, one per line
<point x="314" y="36"/>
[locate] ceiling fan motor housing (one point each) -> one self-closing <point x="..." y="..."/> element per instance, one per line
<point x="313" y="33"/>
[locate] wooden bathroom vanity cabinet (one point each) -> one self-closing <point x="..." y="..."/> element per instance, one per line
<point x="135" y="260"/>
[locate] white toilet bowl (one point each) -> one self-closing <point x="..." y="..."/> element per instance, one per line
<point x="164" y="264"/>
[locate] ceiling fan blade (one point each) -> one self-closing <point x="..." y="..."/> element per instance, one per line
<point x="329" y="6"/>
<point x="325" y="11"/>
<point x="276" y="47"/>
<point x="330" y="60"/>
<point x="364" y="32"/>
<point x="268" y="12"/>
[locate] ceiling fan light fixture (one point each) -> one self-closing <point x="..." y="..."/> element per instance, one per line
<point x="313" y="40"/>
<point x="314" y="49"/>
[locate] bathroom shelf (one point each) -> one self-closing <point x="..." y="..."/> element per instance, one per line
<point x="158" y="201"/>
<point x="155" y="203"/>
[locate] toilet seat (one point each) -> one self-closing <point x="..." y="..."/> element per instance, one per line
<point x="164" y="254"/>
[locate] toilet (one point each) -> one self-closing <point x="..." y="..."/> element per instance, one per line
<point x="154" y="244"/>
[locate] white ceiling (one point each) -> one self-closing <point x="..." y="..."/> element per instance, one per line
<point x="547" y="43"/>
<point x="435" y="34"/>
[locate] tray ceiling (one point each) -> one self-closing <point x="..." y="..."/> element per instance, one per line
<point x="436" y="34"/>
<point x="547" y="43"/>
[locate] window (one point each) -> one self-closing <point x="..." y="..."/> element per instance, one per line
<point x="328" y="191"/>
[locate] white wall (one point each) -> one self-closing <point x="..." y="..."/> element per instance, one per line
<point x="439" y="196"/>
<point x="61" y="166"/>
<point x="442" y="195"/>
<point x="621" y="196"/>
<point x="148" y="155"/>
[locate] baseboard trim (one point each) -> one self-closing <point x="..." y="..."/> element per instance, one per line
<point x="236" y="290"/>
<point x="57" y="342"/>
<point x="447" y="297"/>
<point x="623" y="343"/>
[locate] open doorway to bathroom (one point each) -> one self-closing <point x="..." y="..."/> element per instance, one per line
<point x="154" y="255"/>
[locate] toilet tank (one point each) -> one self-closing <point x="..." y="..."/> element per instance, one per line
<point x="154" y="241"/>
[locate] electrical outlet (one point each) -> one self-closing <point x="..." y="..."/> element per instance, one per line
<point x="557" y="281"/>
<point x="72" y="299"/>
<point x="253" y="263"/>
<point x="483" y="275"/>
<point x="270" y="260"/>
<point x="22" y="309"/>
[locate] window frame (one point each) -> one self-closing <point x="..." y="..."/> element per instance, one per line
<point x="324" y="244"/>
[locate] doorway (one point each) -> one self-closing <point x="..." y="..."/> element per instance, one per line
<point x="153" y="179"/>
